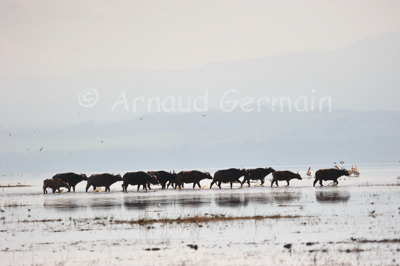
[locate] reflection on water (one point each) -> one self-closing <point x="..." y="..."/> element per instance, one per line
<point x="106" y="204"/>
<point x="244" y="199"/>
<point x="70" y="204"/>
<point x="179" y="202"/>
<point x="260" y="198"/>
<point x="136" y="203"/>
<point x="332" y="196"/>
<point x="230" y="200"/>
<point x="165" y="202"/>
<point x="193" y="202"/>
<point x="79" y="204"/>
<point x="285" y="197"/>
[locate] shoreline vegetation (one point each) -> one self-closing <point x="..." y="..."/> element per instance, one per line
<point x="13" y="186"/>
<point x="185" y="220"/>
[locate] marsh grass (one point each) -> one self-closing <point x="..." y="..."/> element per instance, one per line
<point x="203" y="219"/>
<point x="14" y="205"/>
<point x="11" y="186"/>
<point x="42" y="221"/>
<point x="180" y="220"/>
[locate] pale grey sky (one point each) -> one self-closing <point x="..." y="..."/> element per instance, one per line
<point x="44" y="37"/>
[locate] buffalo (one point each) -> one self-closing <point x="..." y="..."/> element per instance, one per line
<point x="191" y="177"/>
<point x="228" y="175"/>
<point x="284" y="176"/>
<point x="163" y="177"/>
<point x="257" y="174"/>
<point x="138" y="178"/>
<point x="329" y="174"/>
<point x="172" y="182"/>
<point x="54" y="184"/>
<point x="71" y="178"/>
<point x="102" y="180"/>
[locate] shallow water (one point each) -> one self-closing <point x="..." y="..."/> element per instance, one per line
<point x="356" y="222"/>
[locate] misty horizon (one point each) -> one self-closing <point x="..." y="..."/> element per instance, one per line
<point x="209" y="84"/>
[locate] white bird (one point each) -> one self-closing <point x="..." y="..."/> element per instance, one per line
<point x="354" y="171"/>
<point x="309" y="172"/>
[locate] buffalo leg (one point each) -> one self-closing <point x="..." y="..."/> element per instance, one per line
<point x="231" y="184"/>
<point x="198" y="183"/>
<point x="194" y="185"/>
<point x="315" y="181"/>
<point x="248" y="181"/>
<point x="287" y="183"/>
<point x="276" y="182"/>
<point x="272" y="182"/>
<point x="219" y="185"/>
<point x="262" y="182"/>
<point x="320" y="183"/>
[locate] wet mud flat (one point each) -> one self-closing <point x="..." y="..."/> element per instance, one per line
<point x="355" y="223"/>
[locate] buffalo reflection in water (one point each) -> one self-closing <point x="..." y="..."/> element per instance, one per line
<point x="137" y="203"/>
<point x="145" y="203"/>
<point x="239" y="200"/>
<point x="260" y="198"/>
<point x="70" y="204"/>
<point x="106" y="204"/>
<point x="79" y="204"/>
<point x="231" y="200"/>
<point x="194" y="202"/>
<point x="285" y="197"/>
<point x="332" y="196"/>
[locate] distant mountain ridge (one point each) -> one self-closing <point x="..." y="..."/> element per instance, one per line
<point x="162" y="141"/>
<point x="362" y="77"/>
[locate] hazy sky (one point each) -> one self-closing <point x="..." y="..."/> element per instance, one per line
<point x="70" y="36"/>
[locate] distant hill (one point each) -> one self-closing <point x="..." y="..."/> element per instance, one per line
<point x="162" y="141"/>
<point x="363" y="77"/>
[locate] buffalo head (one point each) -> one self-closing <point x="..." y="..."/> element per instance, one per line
<point x="297" y="176"/>
<point x="345" y="172"/>
<point x="63" y="183"/>
<point x="244" y="172"/>
<point x="153" y="178"/>
<point x="118" y="177"/>
<point x="208" y="175"/>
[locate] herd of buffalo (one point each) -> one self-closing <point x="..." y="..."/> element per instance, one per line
<point x="177" y="180"/>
